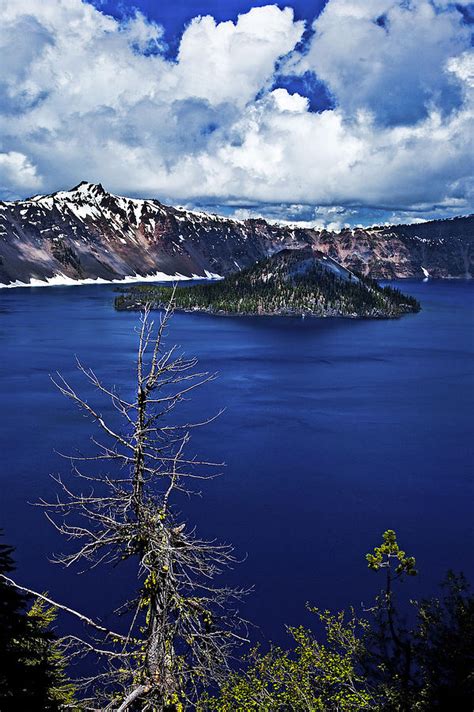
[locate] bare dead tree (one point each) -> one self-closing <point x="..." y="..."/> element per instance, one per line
<point x="180" y="627"/>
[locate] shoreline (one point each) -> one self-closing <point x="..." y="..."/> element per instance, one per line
<point x="62" y="280"/>
<point x="290" y="315"/>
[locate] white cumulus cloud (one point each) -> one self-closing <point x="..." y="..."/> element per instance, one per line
<point x="230" y="61"/>
<point x="17" y="173"/>
<point x="387" y="57"/>
<point x="86" y="96"/>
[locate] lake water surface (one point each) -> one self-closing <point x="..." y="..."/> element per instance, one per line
<point x="334" y="431"/>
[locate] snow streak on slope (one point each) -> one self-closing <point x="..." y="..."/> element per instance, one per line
<point x="87" y="233"/>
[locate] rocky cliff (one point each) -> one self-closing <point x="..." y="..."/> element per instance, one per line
<point x="88" y="233"/>
<point x="439" y="248"/>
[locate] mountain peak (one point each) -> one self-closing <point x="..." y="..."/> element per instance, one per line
<point x="87" y="187"/>
<point x="88" y="233"/>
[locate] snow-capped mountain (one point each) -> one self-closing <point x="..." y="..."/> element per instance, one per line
<point x="88" y="233"/>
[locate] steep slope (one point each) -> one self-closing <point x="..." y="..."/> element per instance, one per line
<point x="88" y="233"/>
<point x="292" y="282"/>
<point x="438" y="248"/>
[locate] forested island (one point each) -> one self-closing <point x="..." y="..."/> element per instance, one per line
<point x="300" y="282"/>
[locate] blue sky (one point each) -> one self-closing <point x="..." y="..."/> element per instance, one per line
<point x="324" y="113"/>
<point x="174" y="16"/>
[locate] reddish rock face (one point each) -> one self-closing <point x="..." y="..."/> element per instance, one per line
<point x="442" y="248"/>
<point x="88" y="233"/>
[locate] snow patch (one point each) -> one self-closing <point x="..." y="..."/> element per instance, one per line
<point x="82" y="211"/>
<point x="62" y="280"/>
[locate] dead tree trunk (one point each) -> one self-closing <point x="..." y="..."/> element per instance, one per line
<point x="181" y="627"/>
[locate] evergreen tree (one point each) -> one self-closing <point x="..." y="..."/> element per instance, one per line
<point x="444" y="648"/>
<point x="31" y="668"/>
<point x="292" y="282"/>
<point x="61" y="691"/>
<point x="429" y="665"/>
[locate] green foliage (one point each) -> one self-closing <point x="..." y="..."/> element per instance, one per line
<point x="430" y="664"/>
<point x="312" y="676"/>
<point x="377" y="663"/>
<point x="389" y="555"/>
<point x="292" y="282"/>
<point x="43" y="617"/>
<point x="31" y="670"/>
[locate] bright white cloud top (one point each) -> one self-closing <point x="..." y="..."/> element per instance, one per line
<point x="85" y="96"/>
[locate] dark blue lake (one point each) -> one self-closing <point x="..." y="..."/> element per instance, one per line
<point x="334" y="431"/>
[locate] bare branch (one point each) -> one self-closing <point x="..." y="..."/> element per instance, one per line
<point x="50" y="601"/>
<point x="182" y="627"/>
<point x="134" y="695"/>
